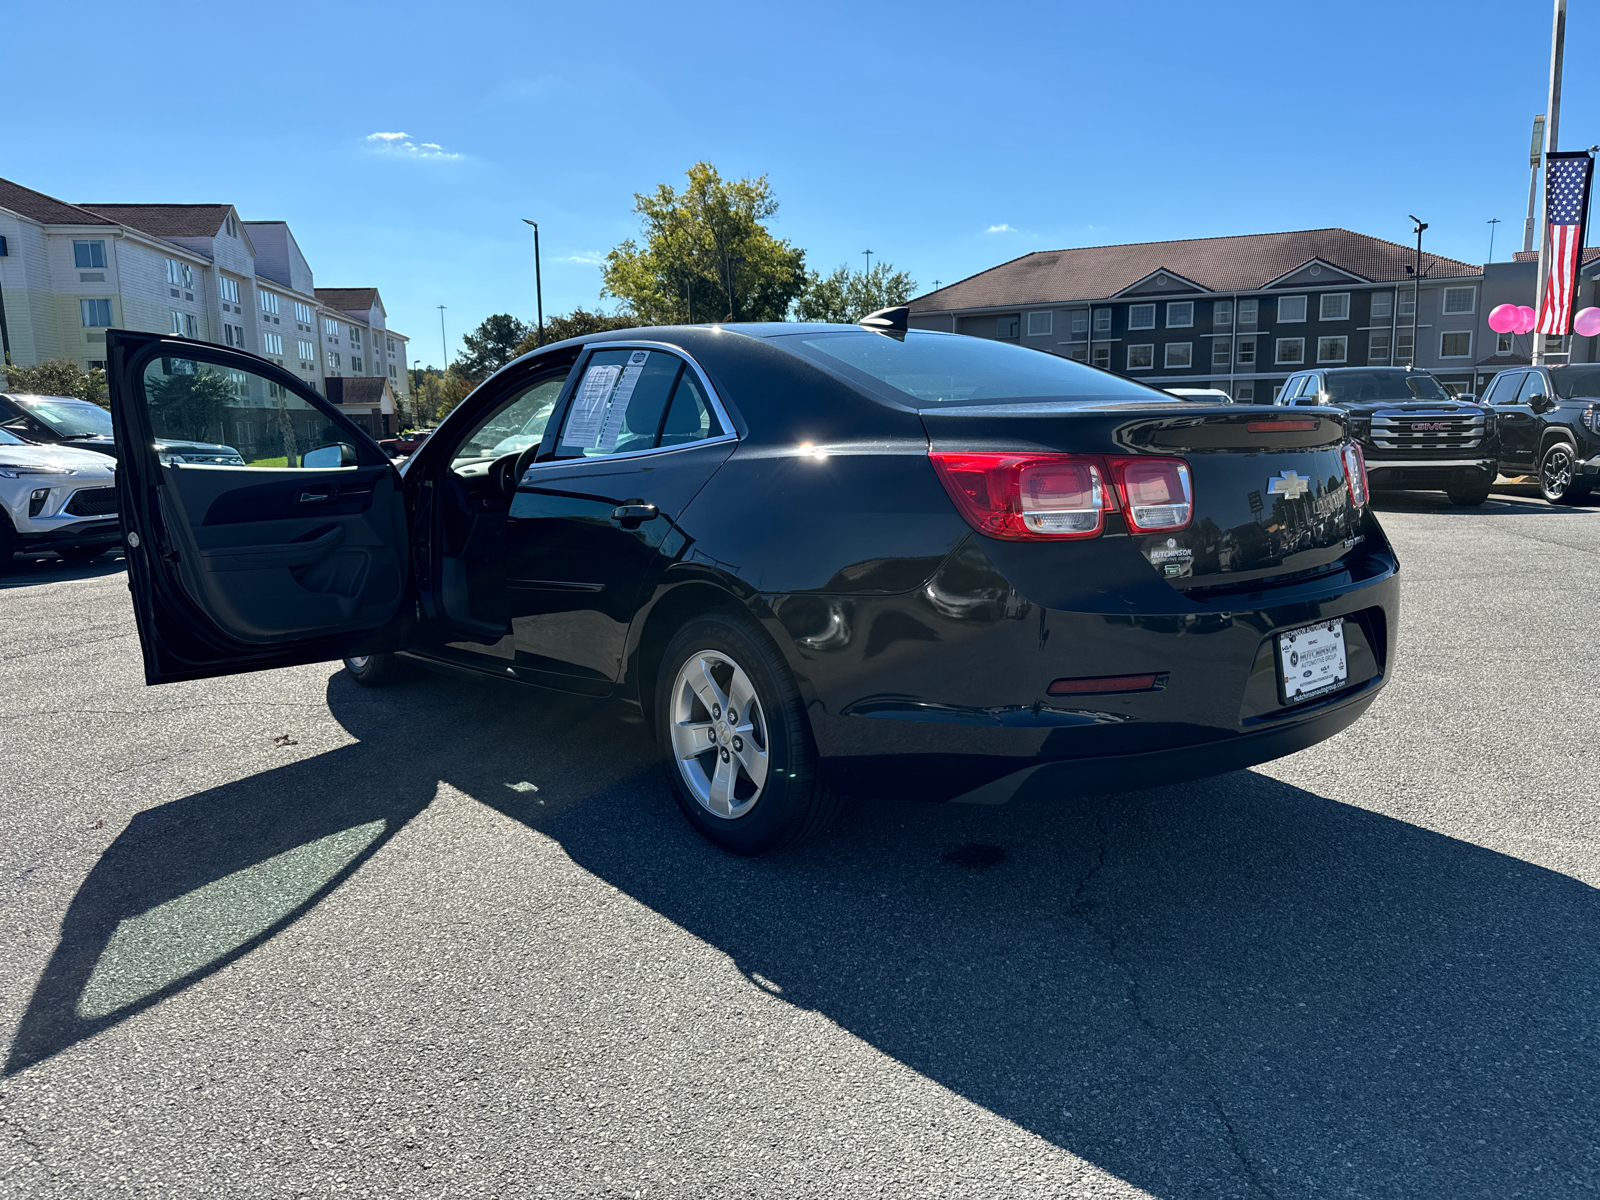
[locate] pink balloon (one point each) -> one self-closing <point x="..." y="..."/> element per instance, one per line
<point x="1529" y="319"/>
<point x="1504" y="318"/>
<point x="1587" y="322"/>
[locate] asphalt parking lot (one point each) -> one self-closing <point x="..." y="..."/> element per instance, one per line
<point x="275" y="935"/>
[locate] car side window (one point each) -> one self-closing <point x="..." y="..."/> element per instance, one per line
<point x="1532" y="385"/>
<point x="626" y="399"/>
<point x="513" y="425"/>
<point x="1308" y="391"/>
<point x="1500" y="390"/>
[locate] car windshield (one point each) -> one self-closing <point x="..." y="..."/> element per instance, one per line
<point x="66" y="418"/>
<point x="7" y="438"/>
<point x="1356" y="386"/>
<point x="1576" y="381"/>
<point x="936" y="369"/>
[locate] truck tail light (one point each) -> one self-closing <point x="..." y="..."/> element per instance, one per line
<point x="1155" y="492"/>
<point x="1355" y="472"/>
<point x="1028" y="497"/>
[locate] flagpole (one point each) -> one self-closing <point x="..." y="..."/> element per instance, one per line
<point x="1558" y="37"/>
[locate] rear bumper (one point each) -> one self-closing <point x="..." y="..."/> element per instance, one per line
<point x="935" y="725"/>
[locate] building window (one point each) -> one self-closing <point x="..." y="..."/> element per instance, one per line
<point x="303" y="313"/>
<point x="389" y="343"/>
<point x="357" y="364"/>
<point x="1039" y="324"/>
<point x="1408" y="303"/>
<point x="1079" y="320"/>
<point x="1382" y="305"/>
<point x="180" y="274"/>
<point x="1102" y="356"/>
<point x="1290" y="310"/>
<point x="1291" y="350"/>
<point x="1180" y="314"/>
<point x="191" y="325"/>
<point x="232" y="339"/>
<point x="355" y="337"/>
<point x="1455" y="343"/>
<point x="1102" y="320"/>
<point x="1458" y="300"/>
<point x="272" y="343"/>
<point x="1078" y="353"/>
<point x="1247" y="314"/>
<point x="394" y="372"/>
<point x="1222" y="314"/>
<point x="1141" y="358"/>
<point x="1378" y="346"/>
<point x="1141" y="316"/>
<point x="1402" y="346"/>
<point x="1553" y="344"/>
<point x="269" y="302"/>
<point x="1179" y="354"/>
<point x="227" y="223"/>
<point x="89" y="254"/>
<point x="1220" y="354"/>
<point x="1335" y="306"/>
<point x="1333" y="349"/>
<point x="229" y="289"/>
<point x="177" y="324"/>
<point x="1247" y="352"/>
<point x="1246" y="393"/>
<point x="308" y="350"/>
<point x="333" y="360"/>
<point x="330" y="327"/>
<point x="1502" y="343"/>
<point x="97" y="364"/>
<point x="96" y="313"/>
<point x="1004" y="327"/>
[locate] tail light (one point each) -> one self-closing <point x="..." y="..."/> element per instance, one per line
<point x="1155" y="492"/>
<point x="1355" y="472"/>
<point x="1027" y="497"/>
<point x="1022" y="497"/>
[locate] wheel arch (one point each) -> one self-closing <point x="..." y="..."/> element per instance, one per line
<point x="1551" y="436"/>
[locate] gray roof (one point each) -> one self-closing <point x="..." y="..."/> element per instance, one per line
<point x="360" y="390"/>
<point x="350" y="300"/>
<point x="1223" y="264"/>
<point x="46" y="209"/>
<point x="166" y="220"/>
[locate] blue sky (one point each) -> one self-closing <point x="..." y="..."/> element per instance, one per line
<point x="944" y="137"/>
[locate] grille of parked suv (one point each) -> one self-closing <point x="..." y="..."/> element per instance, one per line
<point x="1420" y="432"/>
<point x="92" y="502"/>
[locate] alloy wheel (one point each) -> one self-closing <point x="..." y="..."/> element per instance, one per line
<point x="1556" y="473"/>
<point x="719" y="734"/>
<point x="359" y="663"/>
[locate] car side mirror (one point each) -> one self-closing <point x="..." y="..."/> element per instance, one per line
<point x="339" y="454"/>
<point x="1540" y="403"/>
<point x="1467" y="398"/>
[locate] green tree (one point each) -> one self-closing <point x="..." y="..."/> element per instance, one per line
<point x="707" y="254"/>
<point x="845" y="296"/>
<point x="59" y="377"/>
<point x="434" y="393"/>
<point x="491" y="345"/>
<point x="191" y="406"/>
<point x="576" y="323"/>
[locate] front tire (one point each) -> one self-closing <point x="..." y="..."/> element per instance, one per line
<point x="1470" y="496"/>
<point x="376" y="670"/>
<point x="745" y="770"/>
<point x="1558" y="474"/>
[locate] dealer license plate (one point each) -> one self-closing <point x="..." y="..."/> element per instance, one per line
<point x="1311" y="660"/>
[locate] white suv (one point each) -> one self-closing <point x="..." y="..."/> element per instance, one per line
<point x="56" y="498"/>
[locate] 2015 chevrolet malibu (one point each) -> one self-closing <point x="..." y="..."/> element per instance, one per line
<point x="820" y="559"/>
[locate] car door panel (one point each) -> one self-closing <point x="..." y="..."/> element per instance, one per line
<point x="246" y="567"/>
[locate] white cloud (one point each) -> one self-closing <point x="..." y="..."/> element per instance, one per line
<point x="1001" y="229"/>
<point x="403" y="143"/>
<point x="588" y="258"/>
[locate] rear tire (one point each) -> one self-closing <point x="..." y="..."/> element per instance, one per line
<point x="9" y="543"/>
<point x="80" y="554"/>
<point x="376" y="670"/>
<point x="729" y="715"/>
<point x="1558" y="474"/>
<point x="1469" y="497"/>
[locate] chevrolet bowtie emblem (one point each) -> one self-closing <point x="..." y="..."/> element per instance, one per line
<point x="1288" y="484"/>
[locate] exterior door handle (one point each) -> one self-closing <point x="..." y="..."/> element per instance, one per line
<point x="634" y="513"/>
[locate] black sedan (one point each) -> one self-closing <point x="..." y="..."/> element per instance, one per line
<point x="819" y="559"/>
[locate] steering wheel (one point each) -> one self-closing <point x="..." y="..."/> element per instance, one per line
<point x="503" y="474"/>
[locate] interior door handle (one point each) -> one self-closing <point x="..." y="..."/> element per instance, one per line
<point x="312" y="497"/>
<point x="635" y="512"/>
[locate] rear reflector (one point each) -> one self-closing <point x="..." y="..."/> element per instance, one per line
<point x="1283" y="426"/>
<point x="1103" y="683"/>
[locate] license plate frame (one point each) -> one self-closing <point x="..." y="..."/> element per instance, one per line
<point x="1324" y="668"/>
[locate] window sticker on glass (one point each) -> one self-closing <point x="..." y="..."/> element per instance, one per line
<point x="589" y="409"/>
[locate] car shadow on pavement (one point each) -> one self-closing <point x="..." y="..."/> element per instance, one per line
<point x="1231" y="987"/>
<point x="1497" y="505"/>
<point x="28" y="570"/>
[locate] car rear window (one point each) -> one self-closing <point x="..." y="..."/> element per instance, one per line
<point x="932" y="370"/>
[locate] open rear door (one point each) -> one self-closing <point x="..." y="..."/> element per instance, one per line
<point x="264" y="527"/>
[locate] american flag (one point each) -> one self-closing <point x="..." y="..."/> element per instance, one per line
<point x="1566" y="184"/>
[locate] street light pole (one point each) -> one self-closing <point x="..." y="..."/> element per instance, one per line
<point x="1558" y="38"/>
<point x="538" y="286"/>
<point x="1493" y="221"/>
<point x="1416" y="286"/>
<point x="444" y="344"/>
<point x="868" y="253"/>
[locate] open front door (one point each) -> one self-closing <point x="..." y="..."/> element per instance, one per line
<point x="264" y="528"/>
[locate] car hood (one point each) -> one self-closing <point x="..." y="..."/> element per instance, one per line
<point x="85" y="462"/>
<point x="1367" y="407"/>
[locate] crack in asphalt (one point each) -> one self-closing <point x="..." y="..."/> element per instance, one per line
<point x="74" y="643"/>
<point x="143" y="712"/>
<point x="1237" y="1145"/>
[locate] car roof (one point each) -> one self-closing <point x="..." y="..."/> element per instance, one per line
<point x="24" y="397"/>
